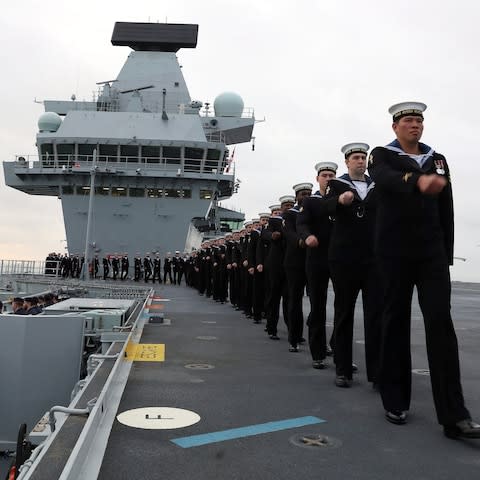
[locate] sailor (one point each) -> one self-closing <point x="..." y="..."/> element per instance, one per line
<point x="353" y="202"/>
<point x="18" y="306"/>
<point x="274" y="236"/>
<point x="147" y="267"/>
<point x="414" y="246"/>
<point x="257" y="277"/>
<point x="177" y="264"/>
<point x="246" y="277"/>
<point x="156" y="269"/>
<point x="167" y="268"/>
<point x="294" y="264"/>
<point x="106" y="266"/>
<point x="125" y="266"/>
<point x="260" y="275"/>
<point x="315" y="228"/>
<point x="137" y="267"/>
<point x="96" y="266"/>
<point x="115" y="266"/>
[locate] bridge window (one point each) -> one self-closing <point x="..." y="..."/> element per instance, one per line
<point x="192" y="165"/>
<point x="136" y="192"/>
<point x="85" y="152"/>
<point x="206" y="194"/>
<point x="186" y="193"/>
<point x="65" y="153"/>
<point x="46" y="151"/>
<point x="213" y="154"/>
<point x="154" y="192"/>
<point x="67" y="190"/>
<point x="173" y="192"/>
<point x="83" y="190"/>
<point x="210" y="166"/>
<point x="119" y="192"/>
<point x="151" y="154"/>
<point x="171" y="153"/>
<point x="129" y="153"/>
<point x="195" y="153"/>
<point x="102" y="191"/>
<point x="107" y="153"/>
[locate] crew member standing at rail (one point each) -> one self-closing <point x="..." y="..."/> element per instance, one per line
<point x="414" y="245"/>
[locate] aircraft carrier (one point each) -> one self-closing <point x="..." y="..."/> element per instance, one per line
<point x="141" y="156"/>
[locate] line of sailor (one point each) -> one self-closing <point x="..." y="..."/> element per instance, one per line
<point x="307" y="240"/>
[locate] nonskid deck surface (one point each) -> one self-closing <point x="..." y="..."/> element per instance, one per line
<point x="256" y="381"/>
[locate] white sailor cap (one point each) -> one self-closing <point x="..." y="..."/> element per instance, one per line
<point x="255" y="220"/>
<point x="356" y="147"/>
<point x="246" y="224"/>
<point x="331" y="166"/>
<point x="403" y="109"/>
<point x="302" y="186"/>
<point x="177" y="251"/>
<point x="277" y="206"/>
<point x="264" y="215"/>
<point x="286" y="199"/>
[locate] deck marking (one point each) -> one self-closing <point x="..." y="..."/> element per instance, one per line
<point x="158" y="418"/>
<point x="145" y="352"/>
<point x="221" y="436"/>
<point x="158" y="306"/>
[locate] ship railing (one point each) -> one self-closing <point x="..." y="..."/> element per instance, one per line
<point x="247" y="112"/>
<point x="50" y="268"/>
<point x="72" y="163"/>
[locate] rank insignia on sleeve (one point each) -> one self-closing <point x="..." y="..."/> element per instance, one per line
<point x="407" y="176"/>
<point x="370" y="160"/>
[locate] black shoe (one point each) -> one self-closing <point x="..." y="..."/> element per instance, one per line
<point x="319" y="364"/>
<point x="354" y="368"/>
<point x="329" y="351"/>
<point x="301" y="341"/>
<point x="463" y="429"/>
<point x="396" y="416"/>
<point x="342" y="381"/>
<point x="293" y="348"/>
<point x="274" y="336"/>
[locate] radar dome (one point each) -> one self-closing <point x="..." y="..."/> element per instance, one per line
<point x="228" y="104"/>
<point x="49" y="122"/>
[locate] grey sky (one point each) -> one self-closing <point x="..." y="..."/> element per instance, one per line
<point x="322" y="73"/>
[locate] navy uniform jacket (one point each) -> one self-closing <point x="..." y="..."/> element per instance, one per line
<point x="252" y="248"/>
<point x="354" y="226"/>
<point x="313" y="219"/>
<point x="276" y="250"/>
<point x="410" y="224"/>
<point x="294" y="244"/>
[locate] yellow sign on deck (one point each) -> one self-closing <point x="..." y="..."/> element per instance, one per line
<point x="146" y="352"/>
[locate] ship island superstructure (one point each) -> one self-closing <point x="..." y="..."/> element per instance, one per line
<point x="152" y="162"/>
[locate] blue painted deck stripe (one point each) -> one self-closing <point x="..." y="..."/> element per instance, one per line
<point x="221" y="436"/>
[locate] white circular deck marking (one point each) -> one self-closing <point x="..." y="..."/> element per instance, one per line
<point x="158" y="418"/>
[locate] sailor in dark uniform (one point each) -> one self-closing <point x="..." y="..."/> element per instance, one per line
<point x="257" y="277"/>
<point x="137" y="267"/>
<point x="156" y="269"/>
<point x="125" y="264"/>
<point x="414" y="245"/>
<point x="106" y="266"/>
<point x="277" y="289"/>
<point x="115" y="266"/>
<point x="294" y="264"/>
<point x="315" y="228"/>
<point x="167" y="268"/>
<point x="147" y="267"/>
<point x="247" y="278"/>
<point x="353" y="203"/>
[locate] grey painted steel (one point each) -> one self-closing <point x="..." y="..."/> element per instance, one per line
<point x="40" y="359"/>
<point x="128" y="113"/>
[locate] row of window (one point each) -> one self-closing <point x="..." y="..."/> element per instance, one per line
<point x="137" y="192"/>
<point x="127" y="153"/>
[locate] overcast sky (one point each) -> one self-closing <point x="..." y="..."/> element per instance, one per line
<point x="321" y="73"/>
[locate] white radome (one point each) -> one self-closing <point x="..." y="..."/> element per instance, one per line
<point x="49" y="122"/>
<point x="228" y="104"/>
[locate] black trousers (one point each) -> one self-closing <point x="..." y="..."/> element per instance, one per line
<point x="165" y="273"/>
<point x="348" y="280"/>
<point x="277" y="291"/>
<point x="296" y="281"/>
<point x="318" y="276"/>
<point x="258" y="295"/>
<point x="432" y="279"/>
